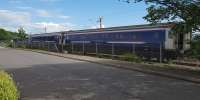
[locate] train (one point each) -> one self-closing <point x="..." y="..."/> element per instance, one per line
<point x="153" y="36"/>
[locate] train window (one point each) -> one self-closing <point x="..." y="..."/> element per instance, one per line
<point x="82" y="37"/>
<point x="106" y="35"/>
<point x="117" y="36"/>
<point x="134" y="36"/>
<point x="121" y="36"/>
<point x="156" y="35"/>
<point x="103" y="36"/>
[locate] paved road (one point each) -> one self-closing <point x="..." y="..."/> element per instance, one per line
<point x="45" y="77"/>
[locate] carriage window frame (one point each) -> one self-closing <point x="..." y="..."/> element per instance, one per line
<point x="134" y="36"/>
<point x="156" y="35"/>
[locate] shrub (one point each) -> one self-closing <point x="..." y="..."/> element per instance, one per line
<point x="131" y="57"/>
<point x="195" y="47"/>
<point x="8" y="90"/>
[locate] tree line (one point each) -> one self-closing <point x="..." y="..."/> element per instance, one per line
<point x="9" y="35"/>
<point x="184" y="13"/>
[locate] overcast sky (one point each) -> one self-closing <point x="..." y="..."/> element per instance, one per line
<point x="62" y="15"/>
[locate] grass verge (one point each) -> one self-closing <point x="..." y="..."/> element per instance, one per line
<point x="131" y="58"/>
<point x="8" y="89"/>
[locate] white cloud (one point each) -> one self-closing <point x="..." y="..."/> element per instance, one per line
<point x="24" y="8"/>
<point x="43" y="13"/>
<point x="64" y="17"/>
<point x="14" y="1"/>
<point x="50" y="0"/>
<point x="14" y="17"/>
<point x="52" y="27"/>
<point x="12" y="20"/>
<point x="21" y="1"/>
<point x="47" y="14"/>
<point x="97" y="26"/>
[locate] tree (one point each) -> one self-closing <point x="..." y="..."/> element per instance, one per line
<point x="196" y="46"/>
<point x="22" y="34"/>
<point x="3" y="35"/>
<point x="184" y="13"/>
<point x="7" y="35"/>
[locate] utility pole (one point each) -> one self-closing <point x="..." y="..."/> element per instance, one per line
<point x="30" y="39"/>
<point x="101" y="23"/>
<point x="45" y="29"/>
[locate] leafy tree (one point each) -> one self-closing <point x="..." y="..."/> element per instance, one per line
<point x="6" y="35"/>
<point x="3" y="35"/>
<point x="184" y="13"/>
<point x="22" y="34"/>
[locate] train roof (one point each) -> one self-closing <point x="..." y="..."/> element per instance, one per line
<point x="45" y="34"/>
<point x="131" y="27"/>
<point x="120" y="28"/>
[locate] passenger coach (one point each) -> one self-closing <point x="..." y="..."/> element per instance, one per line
<point x="155" y="37"/>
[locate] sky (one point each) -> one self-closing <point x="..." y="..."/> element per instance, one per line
<point x="64" y="15"/>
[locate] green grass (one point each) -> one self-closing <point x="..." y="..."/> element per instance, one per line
<point x="131" y="57"/>
<point x="8" y="89"/>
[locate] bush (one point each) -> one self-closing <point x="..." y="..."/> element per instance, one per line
<point x="8" y="90"/>
<point x="131" y="57"/>
<point x="195" y="47"/>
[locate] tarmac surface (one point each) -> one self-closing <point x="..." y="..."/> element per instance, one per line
<point x="46" y="77"/>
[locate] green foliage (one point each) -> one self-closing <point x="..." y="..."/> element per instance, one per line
<point x="195" y="47"/>
<point x="22" y="34"/>
<point x="184" y="13"/>
<point x="7" y="35"/>
<point x="5" y="44"/>
<point x="131" y="57"/>
<point x="8" y="90"/>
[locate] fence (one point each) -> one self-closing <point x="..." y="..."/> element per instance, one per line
<point x="114" y="50"/>
<point x="148" y="51"/>
<point x="43" y="45"/>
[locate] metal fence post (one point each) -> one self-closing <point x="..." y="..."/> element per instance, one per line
<point x="48" y="46"/>
<point x="62" y="42"/>
<point x="55" y="45"/>
<point x="96" y="46"/>
<point x="43" y="45"/>
<point x="133" y="49"/>
<point x="14" y="44"/>
<point x="113" y="50"/>
<point x="83" y="47"/>
<point x="160" y="52"/>
<point x="23" y="44"/>
<point x="38" y="45"/>
<point x="31" y="44"/>
<point x="72" y="47"/>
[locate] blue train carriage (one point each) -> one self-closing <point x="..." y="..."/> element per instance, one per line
<point x="48" y="41"/>
<point x="145" y="38"/>
<point x="46" y="37"/>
